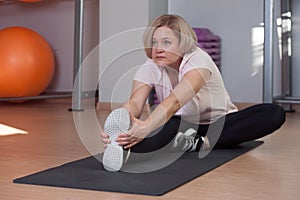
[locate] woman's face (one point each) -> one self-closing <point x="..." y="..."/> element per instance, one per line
<point x="165" y="48"/>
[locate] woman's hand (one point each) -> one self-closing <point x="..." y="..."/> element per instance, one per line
<point x="105" y="138"/>
<point x="139" y="130"/>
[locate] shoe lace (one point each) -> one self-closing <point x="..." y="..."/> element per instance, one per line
<point x="190" y="143"/>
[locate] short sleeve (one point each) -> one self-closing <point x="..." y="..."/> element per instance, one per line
<point x="147" y="73"/>
<point x="197" y="59"/>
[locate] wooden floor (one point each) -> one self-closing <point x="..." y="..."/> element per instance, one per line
<point x="271" y="171"/>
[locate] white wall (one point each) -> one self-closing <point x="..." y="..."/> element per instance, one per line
<point x="117" y="56"/>
<point x="122" y="24"/>
<point x="234" y="21"/>
<point x="157" y="8"/>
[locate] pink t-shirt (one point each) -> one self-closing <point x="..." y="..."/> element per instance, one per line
<point x="212" y="100"/>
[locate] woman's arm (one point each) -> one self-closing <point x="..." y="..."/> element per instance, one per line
<point x="184" y="91"/>
<point x="135" y="104"/>
<point x="140" y="93"/>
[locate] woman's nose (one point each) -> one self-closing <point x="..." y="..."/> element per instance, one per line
<point x="159" y="48"/>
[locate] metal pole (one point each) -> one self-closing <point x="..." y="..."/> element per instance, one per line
<point x="286" y="49"/>
<point x="78" y="41"/>
<point x="268" y="51"/>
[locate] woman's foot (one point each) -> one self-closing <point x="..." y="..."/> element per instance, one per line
<point x="118" y="121"/>
<point x="190" y="141"/>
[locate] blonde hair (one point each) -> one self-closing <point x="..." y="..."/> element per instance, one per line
<point x="186" y="35"/>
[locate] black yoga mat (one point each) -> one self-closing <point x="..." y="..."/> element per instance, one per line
<point x="89" y="174"/>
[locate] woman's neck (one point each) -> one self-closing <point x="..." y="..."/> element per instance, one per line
<point x="176" y="64"/>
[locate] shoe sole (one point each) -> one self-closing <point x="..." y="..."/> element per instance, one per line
<point x="205" y="148"/>
<point x="118" y="121"/>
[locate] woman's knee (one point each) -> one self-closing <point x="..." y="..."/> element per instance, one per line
<point x="280" y="112"/>
<point x="277" y="114"/>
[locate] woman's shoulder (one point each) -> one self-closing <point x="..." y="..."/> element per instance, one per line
<point x="197" y="59"/>
<point x="149" y="62"/>
<point x="149" y="65"/>
<point x="148" y="72"/>
<point x="196" y="53"/>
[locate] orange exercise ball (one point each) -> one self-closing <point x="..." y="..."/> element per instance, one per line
<point x="26" y="63"/>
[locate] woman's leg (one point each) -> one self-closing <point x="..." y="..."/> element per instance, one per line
<point x="251" y="123"/>
<point x="162" y="136"/>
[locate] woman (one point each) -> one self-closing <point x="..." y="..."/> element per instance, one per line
<point x="195" y="110"/>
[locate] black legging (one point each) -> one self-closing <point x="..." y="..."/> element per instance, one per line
<point x="245" y="125"/>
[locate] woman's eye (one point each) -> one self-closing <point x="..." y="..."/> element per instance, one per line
<point x="166" y="42"/>
<point x="154" y="43"/>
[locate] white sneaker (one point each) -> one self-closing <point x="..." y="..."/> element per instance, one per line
<point x="188" y="142"/>
<point x="118" y="121"/>
<point x="206" y="144"/>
